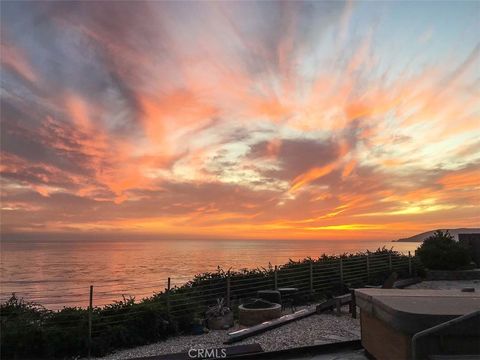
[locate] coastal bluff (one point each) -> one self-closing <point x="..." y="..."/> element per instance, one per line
<point x="453" y="232"/>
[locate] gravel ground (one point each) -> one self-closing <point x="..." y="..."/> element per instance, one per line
<point x="447" y="285"/>
<point x="313" y="330"/>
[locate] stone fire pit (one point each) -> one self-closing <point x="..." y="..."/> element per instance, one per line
<point x="258" y="311"/>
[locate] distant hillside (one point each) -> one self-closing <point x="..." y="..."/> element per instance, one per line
<point x="454" y="232"/>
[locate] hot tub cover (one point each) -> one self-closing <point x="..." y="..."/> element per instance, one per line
<point x="413" y="310"/>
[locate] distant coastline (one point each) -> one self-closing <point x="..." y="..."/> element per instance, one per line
<point x="424" y="235"/>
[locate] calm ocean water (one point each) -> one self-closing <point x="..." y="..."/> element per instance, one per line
<point x="59" y="273"/>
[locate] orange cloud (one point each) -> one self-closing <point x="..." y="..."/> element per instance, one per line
<point x="15" y="59"/>
<point x="347" y="170"/>
<point x="311" y="175"/>
<point x="468" y="179"/>
<point x="212" y="125"/>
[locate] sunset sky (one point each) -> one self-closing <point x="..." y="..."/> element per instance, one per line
<point x="265" y="120"/>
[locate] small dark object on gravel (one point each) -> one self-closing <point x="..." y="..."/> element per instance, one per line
<point x="468" y="290"/>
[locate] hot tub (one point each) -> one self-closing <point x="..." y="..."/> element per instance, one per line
<point x="390" y="318"/>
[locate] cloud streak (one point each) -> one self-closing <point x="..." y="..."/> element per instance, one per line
<point x="256" y="120"/>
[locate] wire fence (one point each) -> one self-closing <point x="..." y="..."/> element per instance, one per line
<point x="173" y="308"/>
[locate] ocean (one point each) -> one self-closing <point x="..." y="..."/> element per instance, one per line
<point x="59" y="273"/>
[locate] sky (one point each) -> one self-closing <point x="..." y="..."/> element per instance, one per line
<point x="258" y="120"/>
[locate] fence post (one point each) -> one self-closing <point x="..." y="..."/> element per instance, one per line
<point x="90" y="310"/>
<point x="275" y="278"/>
<point x="368" y="268"/>
<point x="390" y="261"/>
<point x="311" y="276"/>
<point x="168" y="297"/>
<point x="341" y="270"/>
<point x="228" y="289"/>
<point x="409" y="263"/>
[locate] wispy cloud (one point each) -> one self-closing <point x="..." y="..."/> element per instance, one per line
<point x="256" y="119"/>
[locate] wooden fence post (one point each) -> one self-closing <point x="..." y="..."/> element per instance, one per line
<point x="341" y="270"/>
<point x="90" y="311"/>
<point x="311" y="276"/>
<point x="228" y="289"/>
<point x="368" y="268"/>
<point x="409" y="263"/>
<point x="275" y="278"/>
<point x="168" y="297"/>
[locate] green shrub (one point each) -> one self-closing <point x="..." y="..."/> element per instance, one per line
<point x="441" y="252"/>
<point x="21" y="327"/>
<point x="30" y="331"/>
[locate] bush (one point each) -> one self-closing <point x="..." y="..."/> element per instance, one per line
<point x="28" y="330"/>
<point x="441" y="252"/>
